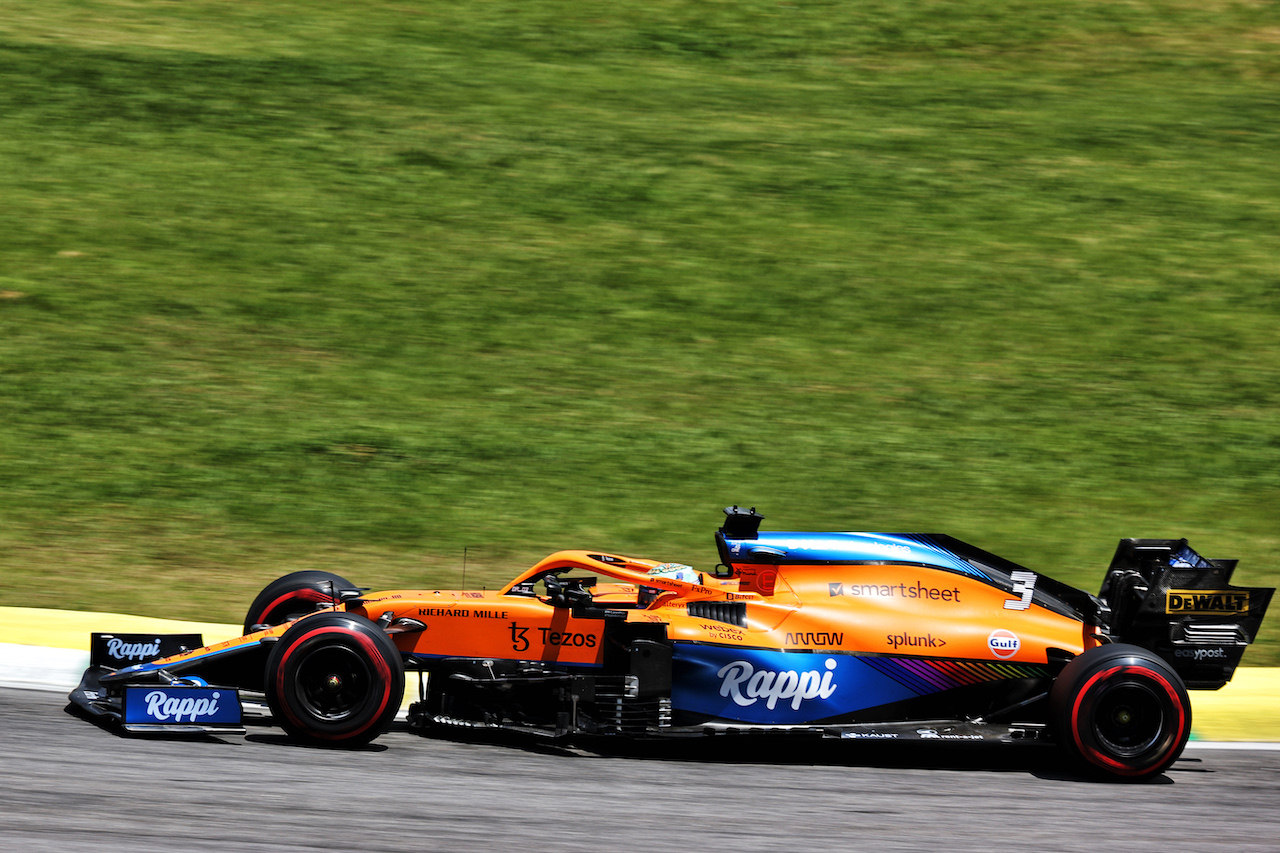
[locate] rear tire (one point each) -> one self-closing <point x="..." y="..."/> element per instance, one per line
<point x="336" y="679"/>
<point x="294" y="595"/>
<point x="1122" y="711"/>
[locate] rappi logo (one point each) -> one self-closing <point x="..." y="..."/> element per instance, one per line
<point x="1003" y="644"/>
<point x="162" y="707"/>
<point x="746" y="685"/>
<point x="120" y="650"/>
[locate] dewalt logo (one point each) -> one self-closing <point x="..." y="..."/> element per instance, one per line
<point x="1209" y="601"/>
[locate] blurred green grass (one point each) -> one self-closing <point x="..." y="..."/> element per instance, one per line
<point x="358" y="286"/>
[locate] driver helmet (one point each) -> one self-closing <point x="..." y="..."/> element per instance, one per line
<point x="679" y="571"/>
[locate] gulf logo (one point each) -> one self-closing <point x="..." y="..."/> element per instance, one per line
<point x="1003" y="644"/>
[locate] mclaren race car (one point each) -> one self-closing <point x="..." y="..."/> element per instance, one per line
<point x="840" y="635"/>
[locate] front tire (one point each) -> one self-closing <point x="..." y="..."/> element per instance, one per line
<point x="1122" y="710"/>
<point x="335" y="679"/>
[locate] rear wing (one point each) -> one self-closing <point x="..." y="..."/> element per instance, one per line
<point x="1166" y="597"/>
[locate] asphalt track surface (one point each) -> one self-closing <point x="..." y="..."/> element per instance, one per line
<point x="67" y="784"/>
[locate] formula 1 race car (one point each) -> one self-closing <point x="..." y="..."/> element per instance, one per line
<point x="843" y="635"/>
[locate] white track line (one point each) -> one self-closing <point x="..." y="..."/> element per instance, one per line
<point x="41" y="667"/>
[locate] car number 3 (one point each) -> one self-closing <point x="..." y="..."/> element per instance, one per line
<point x="1024" y="584"/>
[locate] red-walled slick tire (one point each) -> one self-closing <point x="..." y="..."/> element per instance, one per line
<point x="294" y="595"/>
<point x="336" y="679"/>
<point x="1122" y="710"/>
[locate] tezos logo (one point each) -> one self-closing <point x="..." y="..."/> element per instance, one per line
<point x="746" y="685"/>
<point x="161" y="707"/>
<point x="120" y="650"/>
<point x="1003" y="644"/>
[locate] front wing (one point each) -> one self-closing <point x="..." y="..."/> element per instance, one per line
<point x="154" y="701"/>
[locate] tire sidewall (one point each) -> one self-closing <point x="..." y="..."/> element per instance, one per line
<point x="1081" y="690"/>
<point x="356" y="635"/>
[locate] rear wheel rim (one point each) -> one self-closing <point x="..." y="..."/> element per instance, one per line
<point x="1129" y="719"/>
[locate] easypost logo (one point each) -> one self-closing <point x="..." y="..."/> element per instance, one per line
<point x="1003" y="644"/>
<point x="1201" y="654"/>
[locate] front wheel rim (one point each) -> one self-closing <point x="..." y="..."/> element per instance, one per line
<point x="332" y="682"/>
